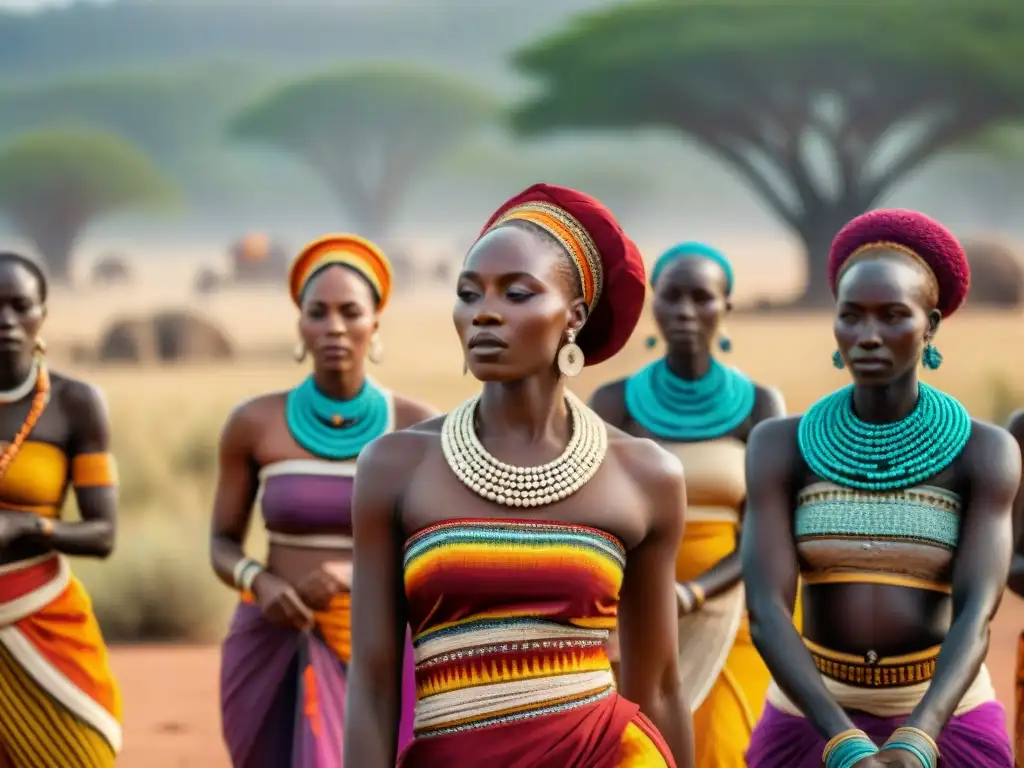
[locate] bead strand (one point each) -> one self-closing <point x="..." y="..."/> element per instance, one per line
<point x="39" y="401"/>
<point x="336" y="429"/>
<point x="843" y="449"/>
<point x="677" y="409"/>
<point x="848" y="748"/>
<point x="514" y="486"/>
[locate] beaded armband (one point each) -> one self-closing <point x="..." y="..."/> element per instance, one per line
<point x="94" y="470"/>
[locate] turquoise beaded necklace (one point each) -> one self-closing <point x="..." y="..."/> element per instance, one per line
<point x="689" y="411"/>
<point x="842" y="449"/>
<point x="336" y="429"/>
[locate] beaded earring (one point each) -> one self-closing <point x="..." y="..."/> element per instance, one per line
<point x="931" y="358"/>
<point x="651" y="341"/>
<point x="376" y="352"/>
<point x="570" y="356"/>
<point x="725" y="343"/>
<point x="40" y="346"/>
<point x="837" y="360"/>
<point x="300" y="352"/>
<point x="465" y="367"/>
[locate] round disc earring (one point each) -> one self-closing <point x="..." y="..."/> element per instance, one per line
<point x="300" y="352"/>
<point x="376" y="352"/>
<point x="570" y="356"/>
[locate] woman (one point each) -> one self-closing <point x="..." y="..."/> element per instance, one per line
<point x="60" y="704"/>
<point x="284" y="661"/>
<point x="1016" y="428"/>
<point x="893" y="506"/>
<point x="703" y="411"/>
<point x="523" y="520"/>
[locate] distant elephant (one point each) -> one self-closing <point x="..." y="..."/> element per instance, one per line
<point x="997" y="277"/>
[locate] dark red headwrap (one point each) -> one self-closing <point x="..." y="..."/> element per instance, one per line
<point x="610" y="265"/>
<point x="915" y="234"/>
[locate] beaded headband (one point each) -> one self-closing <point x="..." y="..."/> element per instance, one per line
<point x="571" y="235"/>
<point x="351" y="251"/>
<point x="885" y="245"/>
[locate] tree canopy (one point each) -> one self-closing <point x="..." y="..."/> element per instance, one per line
<point x="53" y="183"/>
<point x="369" y="132"/>
<point x="821" y="107"/>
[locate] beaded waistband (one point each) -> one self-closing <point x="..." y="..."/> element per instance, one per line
<point x="872" y="671"/>
<point x="492" y="671"/>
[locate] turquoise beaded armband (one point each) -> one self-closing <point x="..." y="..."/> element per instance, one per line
<point x="916" y="742"/>
<point x="847" y="749"/>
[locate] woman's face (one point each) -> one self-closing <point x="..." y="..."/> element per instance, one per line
<point x="690" y="300"/>
<point x="21" y="310"/>
<point x="339" y="317"/>
<point x="885" y="315"/>
<point x="515" y="302"/>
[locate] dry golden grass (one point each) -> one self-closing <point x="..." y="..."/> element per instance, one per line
<point x="166" y="419"/>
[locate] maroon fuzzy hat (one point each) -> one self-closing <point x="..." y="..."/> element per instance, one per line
<point x="911" y="232"/>
<point x="610" y="264"/>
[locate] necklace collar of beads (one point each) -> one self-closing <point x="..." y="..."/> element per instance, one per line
<point x="515" y="486"/>
<point x="677" y="409"/>
<point x="841" y="448"/>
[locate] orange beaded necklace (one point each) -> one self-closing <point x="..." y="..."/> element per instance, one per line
<point x="39" y="401"/>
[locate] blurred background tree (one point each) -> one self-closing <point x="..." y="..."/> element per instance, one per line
<point x="820" y="111"/>
<point x="54" y="183"/>
<point x="369" y="132"/>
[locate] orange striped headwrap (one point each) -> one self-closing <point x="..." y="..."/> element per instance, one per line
<point x="573" y="237"/>
<point x="348" y="250"/>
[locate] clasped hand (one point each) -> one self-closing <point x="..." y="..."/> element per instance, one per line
<point x="289" y="606"/>
<point x="15" y="526"/>
<point x="898" y="758"/>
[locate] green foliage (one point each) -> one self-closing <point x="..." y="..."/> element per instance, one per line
<point x="92" y="172"/>
<point x="369" y="131"/>
<point x="880" y="87"/>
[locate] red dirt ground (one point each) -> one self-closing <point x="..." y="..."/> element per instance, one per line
<point x="172" y="720"/>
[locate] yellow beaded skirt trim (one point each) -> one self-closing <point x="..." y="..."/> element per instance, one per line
<point x="867" y="577"/>
<point x="874" y="672"/>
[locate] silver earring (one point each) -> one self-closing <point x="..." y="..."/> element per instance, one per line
<point x="300" y="352"/>
<point x="376" y="353"/>
<point x="570" y="356"/>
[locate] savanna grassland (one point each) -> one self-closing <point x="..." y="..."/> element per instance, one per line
<point x="158" y="590"/>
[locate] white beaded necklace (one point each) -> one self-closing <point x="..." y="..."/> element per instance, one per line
<point x="23" y="390"/>
<point x="524" y="486"/>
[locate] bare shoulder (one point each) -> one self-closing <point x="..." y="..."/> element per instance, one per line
<point x="992" y="455"/>
<point x="409" y="411"/>
<point x="609" y="401"/>
<point x="773" y="442"/>
<point x="647" y="463"/>
<point x="395" y="455"/>
<point x="76" y="395"/>
<point x="768" y="403"/>
<point x="1015" y="426"/>
<point x="250" y="416"/>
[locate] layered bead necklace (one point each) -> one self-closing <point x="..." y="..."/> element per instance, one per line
<point x="515" y="486"/>
<point x="843" y="449"/>
<point x="336" y="429"/>
<point x="688" y="411"/>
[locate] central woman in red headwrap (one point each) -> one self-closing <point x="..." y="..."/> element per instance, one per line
<point x="507" y="531"/>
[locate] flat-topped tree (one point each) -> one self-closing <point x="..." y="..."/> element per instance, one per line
<point x="873" y="89"/>
<point x="370" y="132"/>
<point x="54" y="183"/>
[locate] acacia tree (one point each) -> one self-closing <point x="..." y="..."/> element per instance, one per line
<point x="872" y="89"/>
<point x="369" y="132"/>
<point x="54" y="183"/>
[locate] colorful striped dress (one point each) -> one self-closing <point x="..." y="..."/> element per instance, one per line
<point x="509" y="622"/>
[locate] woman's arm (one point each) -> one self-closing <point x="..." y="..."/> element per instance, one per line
<point x="648" y="613"/>
<point x="373" y="703"/>
<point x="1016" y="583"/>
<point x="770" y="573"/>
<point x="93" y="476"/>
<point x="982" y="563"/>
<point x="237" y="483"/>
<point x="727" y="572"/>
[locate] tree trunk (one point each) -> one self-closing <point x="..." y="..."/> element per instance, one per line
<point x="817" y="233"/>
